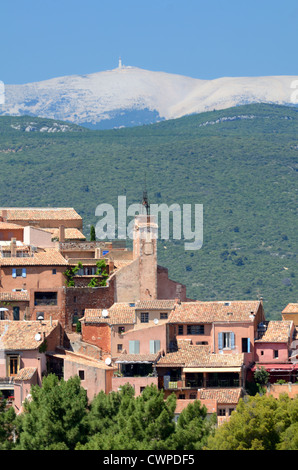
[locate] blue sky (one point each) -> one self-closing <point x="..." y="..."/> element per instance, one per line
<point x="42" y="39"/>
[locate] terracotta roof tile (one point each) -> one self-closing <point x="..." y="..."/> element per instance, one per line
<point x="39" y="213"/>
<point x="26" y="373"/>
<point x="221" y="395"/>
<point x="48" y="257"/>
<point x="133" y="358"/>
<point x="196" y="312"/>
<point x="291" y="308"/>
<point x="155" y="304"/>
<point x="119" y="313"/>
<point x="15" y="296"/>
<point x="276" y="332"/>
<point x="70" y="233"/>
<point x="70" y="356"/>
<point x="19" y="335"/>
<point x="9" y="226"/>
<point x="200" y="356"/>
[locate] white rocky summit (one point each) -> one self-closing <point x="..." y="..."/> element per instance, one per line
<point x="131" y="96"/>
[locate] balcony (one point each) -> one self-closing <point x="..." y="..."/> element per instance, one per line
<point x="138" y="383"/>
<point x="45" y="299"/>
<point x="195" y="384"/>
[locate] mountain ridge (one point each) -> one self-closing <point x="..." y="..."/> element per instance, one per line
<point x="130" y="96"/>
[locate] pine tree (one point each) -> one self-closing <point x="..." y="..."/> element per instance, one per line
<point x="92" y="233"/>
<point x="54" y="416"/>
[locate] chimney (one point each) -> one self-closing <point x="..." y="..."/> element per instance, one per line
<point x="4" y="215"/>
<point x="61" y="234"/>
<point x="13" y="247"/>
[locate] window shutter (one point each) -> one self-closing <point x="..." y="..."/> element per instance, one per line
<point x="14" y="272"/>
<point x="134" y="347"/>
<point x="232" y="340"/>
<point x="220" y="340"/>
<point x="154" y="346"/>
<point x="24" y="272"/>
<point x="248" y="345"/>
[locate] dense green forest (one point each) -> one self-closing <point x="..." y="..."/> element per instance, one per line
<point x="240" y="163"/>
<point x="58" y="416"/>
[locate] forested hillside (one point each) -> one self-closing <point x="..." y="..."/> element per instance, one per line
<point x="240" y="163"/>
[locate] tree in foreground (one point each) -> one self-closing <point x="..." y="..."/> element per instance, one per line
<point x="53" y="418"/>
<point x="7" y="425"/>
<point x="259" y="423"/>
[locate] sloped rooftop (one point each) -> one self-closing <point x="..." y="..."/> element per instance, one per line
<point x="228" y="311"/>
<point x="18" y="335"/>
<point x="200" y="356"/>
<point x="276" y="332"/>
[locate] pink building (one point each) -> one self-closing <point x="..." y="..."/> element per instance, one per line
<point x="23" y="347"/>
<point x="273" y="350"/>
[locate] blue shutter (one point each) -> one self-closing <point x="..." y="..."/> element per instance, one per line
<point x="137" y="347"/>
<point x="24" y="272"/>
<point x="220" y="340"/>
<point x="248" y="345"/>
<point x="157" y="345"/>
<point x="232" y="340"/>
<point x="14" y="272"/>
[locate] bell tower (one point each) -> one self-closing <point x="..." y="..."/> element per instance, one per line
<point x="145" y="250"/>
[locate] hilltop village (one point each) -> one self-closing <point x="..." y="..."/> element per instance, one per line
<point x="112" y="316"/>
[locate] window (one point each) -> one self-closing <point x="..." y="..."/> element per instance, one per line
<point x="54" y="271"/>
<point x="192" y="396"/>
<point x="134" y="347"/>
<point x="39" y="315"/>
<point x="226" y="340"/>
<point x="154" y="346"/>
<point x="164" y="316"/>
<point x="121" y="330"/>
<point x="221" y="412"/>
<point x="119" y="347"/>
<point x="144" y="317"/>
<point x="16" y="313"/>
<point x="231" y="411"/>
<point x="180" y="329"/>
<point x="82" y="374"/>
<point x="181" y="396"/>
<point x="275" y="353"/>
<point x="13" y="365"/>
<point x="195" y="329"/>
<point x="245" y="345"/>
<point x="19" y="272"/>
